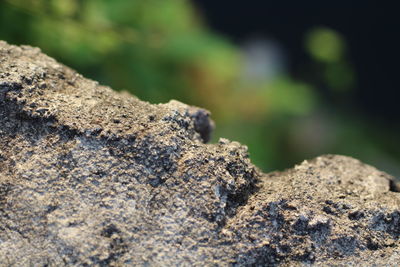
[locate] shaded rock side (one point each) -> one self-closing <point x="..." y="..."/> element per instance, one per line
<point x="92" y="177"/>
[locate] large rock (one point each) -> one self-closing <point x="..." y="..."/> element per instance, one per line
<point x="91" y="177"/>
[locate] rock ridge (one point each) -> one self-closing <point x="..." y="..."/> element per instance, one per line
<point x="93" y="177"/>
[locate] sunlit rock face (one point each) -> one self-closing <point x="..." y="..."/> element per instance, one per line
<point x="92" y="177"/>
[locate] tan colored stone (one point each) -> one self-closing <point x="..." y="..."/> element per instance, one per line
<point x="92" y="177"/>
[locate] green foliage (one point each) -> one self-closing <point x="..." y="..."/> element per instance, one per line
<point x="325" y="45"/>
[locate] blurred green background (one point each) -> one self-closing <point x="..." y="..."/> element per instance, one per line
<point x="162" y="49"/>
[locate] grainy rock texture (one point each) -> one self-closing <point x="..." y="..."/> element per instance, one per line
<point x="91" y="177"/>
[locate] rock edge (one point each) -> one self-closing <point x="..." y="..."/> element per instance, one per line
<point x="92" y="177"/>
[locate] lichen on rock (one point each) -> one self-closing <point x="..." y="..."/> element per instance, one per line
<point x="92" y="177"/>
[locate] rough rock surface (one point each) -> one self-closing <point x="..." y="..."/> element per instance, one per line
<point x="91" y="177"/>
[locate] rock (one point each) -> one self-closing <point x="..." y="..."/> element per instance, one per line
<point x="92" y="177"/>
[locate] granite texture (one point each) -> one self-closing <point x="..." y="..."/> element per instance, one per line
<point x="92" y="177"/>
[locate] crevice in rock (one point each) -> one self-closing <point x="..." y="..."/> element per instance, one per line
<point x="394" y="186"/>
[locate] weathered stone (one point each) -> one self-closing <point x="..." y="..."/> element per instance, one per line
<point x="92" y="177"/>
